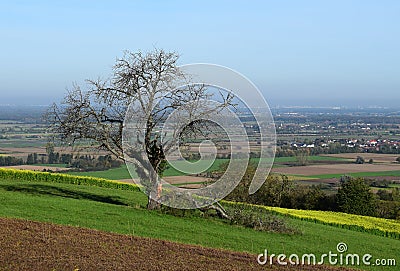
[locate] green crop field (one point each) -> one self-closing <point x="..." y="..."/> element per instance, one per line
<point x="395" y="173"/>
<point x="20" y="144"/>
<point x="124" y="212"/>
<point x="51" y="165"/>
<point x="313" y="158"/>
<point x="122" y="172"/>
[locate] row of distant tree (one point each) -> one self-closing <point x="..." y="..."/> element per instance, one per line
<point x="90" y="163"/>
<point x="82" y="162"/>
<point x="10" y="161"/>
<point x="51" y="158"/>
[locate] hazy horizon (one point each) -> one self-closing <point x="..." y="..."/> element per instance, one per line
<point x="321" y="53"/>
<point x="274" y="103"/>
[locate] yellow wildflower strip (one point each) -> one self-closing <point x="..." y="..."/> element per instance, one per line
<point x="29" y="175"/>
<point x="374" y="225"/>
<point x="379" y="226"/>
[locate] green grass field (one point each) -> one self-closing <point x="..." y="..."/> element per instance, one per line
<point x="51" y="165"/>
<point x="28" y="143"/>
<point x="395" y="173"/>
<point x="123" y="212"/>
<point x="122" y="172"/>
<point x="312" y="158"/>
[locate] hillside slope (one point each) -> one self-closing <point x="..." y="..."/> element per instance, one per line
<point x="28" y="245"/>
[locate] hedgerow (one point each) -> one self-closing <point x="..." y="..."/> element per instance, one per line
<point x="29" y="175"/>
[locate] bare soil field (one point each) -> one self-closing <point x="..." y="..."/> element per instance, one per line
<point x="21" y="152"/>
<point x="39" y="168"/>
<point x="241" y="147"/>
<point x="187" y="181"/>
<point x="28" y="245"/>
<point x="336" y="169"/>
<point x="377" y="157"/>
<point x="184" y="181"/>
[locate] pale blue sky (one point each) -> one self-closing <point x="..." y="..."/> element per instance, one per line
<point x="297" y="52"/>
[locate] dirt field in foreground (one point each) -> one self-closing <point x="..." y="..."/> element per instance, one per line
<point x="336" y="169"/>
<point x="28" y="245"/>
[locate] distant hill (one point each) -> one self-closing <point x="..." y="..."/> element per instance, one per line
<point x="22" y="113"/>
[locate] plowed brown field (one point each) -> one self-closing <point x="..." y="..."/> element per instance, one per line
<point x="27" y="245"/>
<point x="336" y="169"/>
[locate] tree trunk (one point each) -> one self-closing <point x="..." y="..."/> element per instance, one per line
<point x="219" y="209"/>
<point x="155" y="195"/>
<point x="153" y="204"/>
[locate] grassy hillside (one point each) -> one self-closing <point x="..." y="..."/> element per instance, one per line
<point x="122" y="211"/>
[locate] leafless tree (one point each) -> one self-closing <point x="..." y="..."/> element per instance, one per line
<point x="95" y="115"/>
<point x="302" y="156"/>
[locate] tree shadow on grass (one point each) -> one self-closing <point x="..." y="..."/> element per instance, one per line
<point x="37" y="189"/>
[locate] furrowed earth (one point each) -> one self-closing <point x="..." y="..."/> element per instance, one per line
<point x="28" y="245"/>
<point x="337" y="169"/>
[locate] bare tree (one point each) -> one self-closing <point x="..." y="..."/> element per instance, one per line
<point x="96" y="115"/>
<point x="302" y="156"/>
